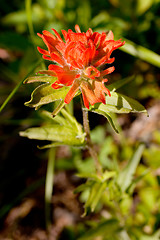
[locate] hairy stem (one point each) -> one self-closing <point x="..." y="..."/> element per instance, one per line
<point x="89" y="143"/>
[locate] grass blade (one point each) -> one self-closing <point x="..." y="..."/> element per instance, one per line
<point x="18" y="86"/>
<point x="49" y="186"/>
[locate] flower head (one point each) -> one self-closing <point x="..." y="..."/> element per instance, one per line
<point x="80" y="60"/>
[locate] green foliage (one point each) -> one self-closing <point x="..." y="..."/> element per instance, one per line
<point x="44" y="93"/>
<point x="105" y="229"/>
<point x="64" y="130"/>
<point x="118" y="103"/>
<point x="125" y="177"/>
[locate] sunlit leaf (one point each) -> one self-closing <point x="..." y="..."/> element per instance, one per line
<point x="61" y="134"/>
<point x="44" y="93"/>
<point x="61" y="130"/>
<point x="118" y="103"/>
<point x="108" y="174"/>
<point x="45" y="79"/>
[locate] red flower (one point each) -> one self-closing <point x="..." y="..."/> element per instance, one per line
<point x="80" y="60"/>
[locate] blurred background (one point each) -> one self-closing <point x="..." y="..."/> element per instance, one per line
<point x="23" y="166"/>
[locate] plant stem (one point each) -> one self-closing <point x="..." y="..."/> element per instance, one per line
<point x="89" y="143"/>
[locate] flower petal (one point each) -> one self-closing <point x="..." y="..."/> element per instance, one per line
<point x="42" y="51"/>
<point x="57" y="58"/>
<point x="110" y="36"/>
<point x="65" y="76"/>
<point x="107" y="71"/>
<point x="77" y="28"/>
<point x="100" y="91"/>
<point x="57" y="35"/>
<point x="88" y="93"/>
<point x="79" y="56"/>
<point x="72" y="92"/>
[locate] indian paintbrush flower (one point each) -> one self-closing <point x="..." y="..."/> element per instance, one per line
<point x="80" y="61"/>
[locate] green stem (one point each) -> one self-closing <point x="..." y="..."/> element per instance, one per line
<point x="89" y="143"/>
<point x="141" y="52"/>
<point x="49" y="187"/>
<point x="18" y="85"/>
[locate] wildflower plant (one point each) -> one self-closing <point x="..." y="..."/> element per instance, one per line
<point x="79" y="65"/>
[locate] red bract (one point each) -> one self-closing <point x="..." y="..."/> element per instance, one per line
<point x="80" y="60"/>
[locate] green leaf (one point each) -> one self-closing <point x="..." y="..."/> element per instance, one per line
<point x="44" y="93"/>
<point x="105" y="228"/>
<point x="108" y="174"/>
<point x="118" y="103"/>
<point x="46" y="79"/>
<point x="131" y="188"/>
<point x="89" y="175"/>
<point x="83" y="187"/>
<point x="61" y="130"/>
<point x="143" y="6"/>
<point x="109" y="118"/>
<point x="58" y="108"/>
<point x="125" y="176"/>
<point x="95" y="194"/>
<point x="58" y="119"/>
<point x="60" y="134"/>
<point x="155" y="236"/>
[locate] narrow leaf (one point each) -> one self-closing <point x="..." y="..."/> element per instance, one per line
<point x="94" y="191"/>
<point x="46" y="79"/>
<point x="125" y="177"/>
<point x="52" y="145"/>
<point x="58" y="108"/>
<point x="98" y="195"/>
<point x="89" y="175"/>
<point x="83" y="187"/>
<point x="118" y="84"/>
